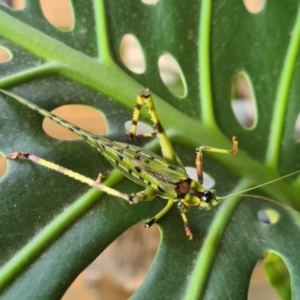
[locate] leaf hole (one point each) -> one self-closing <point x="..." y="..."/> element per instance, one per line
<point x="208" y="181"/>
<point x="172" y="75"/>
<point x="5" y="55"/>
<point x="15" y="4"/>
<point x="297" y="129"/>
<point x="141" y="127"/>
<point x="259" y="287"/>
<point x="254" y="6"/>
<point x="58" y="13"/>
<point x="3" y="165"/>
<point x="132" y="54"/>
<point x="243" y="101"/>
<point x="83" y="116"/>
<point x="268" y="216"/>
<point x="150" y="2"/>
<point x="120" y="273"/>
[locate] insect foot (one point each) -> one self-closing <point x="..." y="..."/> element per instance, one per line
<point x="130" y="135"/>
<point x="148" y="224"/>
<point x="234" y="145"/>
<point x="188" y="230"/>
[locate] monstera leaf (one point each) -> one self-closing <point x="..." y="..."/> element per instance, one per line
<point x="52" y="227"/>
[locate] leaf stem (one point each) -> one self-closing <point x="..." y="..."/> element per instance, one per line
<point x="204" y="63"/>
<point x="281" y="101"/>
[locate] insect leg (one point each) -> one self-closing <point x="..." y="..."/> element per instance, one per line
<point x="135" y="118"/>
<point x="199" y="155"/>
<point x="159" y="215"/>
<point x="131" y="198"/>
<point x="166" y="147"/>
<point x="182" y="210"/>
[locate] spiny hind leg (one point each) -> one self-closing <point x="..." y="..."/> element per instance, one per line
<point x="147" y="194"/>
<point x="166" y="147"/>
<point x="199" y="156"/>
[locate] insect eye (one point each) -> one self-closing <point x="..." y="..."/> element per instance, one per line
<point x="207" y="196"/>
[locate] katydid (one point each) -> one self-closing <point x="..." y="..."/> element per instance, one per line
<point x="164" y="176"/>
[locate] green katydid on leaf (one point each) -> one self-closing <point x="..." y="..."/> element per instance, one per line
<point x="164" y="177"/>
<point x="51" y="226"/>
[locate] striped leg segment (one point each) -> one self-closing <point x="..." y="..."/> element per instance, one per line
<point x="132" y="198"/>
<point x="199" y="156"/>
<point x="144" y="97"/>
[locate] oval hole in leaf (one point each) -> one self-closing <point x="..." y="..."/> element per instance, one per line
<point x="297" y="129"/>
<point x="3" y="165"/>
<point x="259" y="288"/>
<point x="125" y="269"/>
<point x="254" y="6"/>
<point x="16" y="4"/>
<point x="242" y="101"/>
<point x="172" y="75"/>
<point x="83" y="116"/>
<point x="278" y="275"/>
<point x="268" y="216"/>
<point x="132" y="54"/>
<point x="59" y="13"/>
<point x="150" y="2"/>
<point x="141" y="127"/>
<point x="5" y="55"/>
<point x="208" y="181"/>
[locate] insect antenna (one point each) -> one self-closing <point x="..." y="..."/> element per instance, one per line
<point x="258" y="186"/>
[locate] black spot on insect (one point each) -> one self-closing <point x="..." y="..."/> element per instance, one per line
<point x="151" y="157"/>
<point x="138" y="106"/>
<point x="160" y="189"/>
<point x="172" y="167"/>
<point x="84" y="137"/>
<point x="149" y="183"/>
<point x="116" y="162"/>
<point x="120" y="156"/>
<point x="137" y="157"/>
<point x="147" y="161"/>
<point x="130" y="171"/>
<point x="138" y="169"/>
<point x="134" y="122"/>
<point x="76" y="128"/>
<point x="158" y="127"/>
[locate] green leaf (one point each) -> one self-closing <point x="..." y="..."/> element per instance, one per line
<point x="52" y="227"/>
